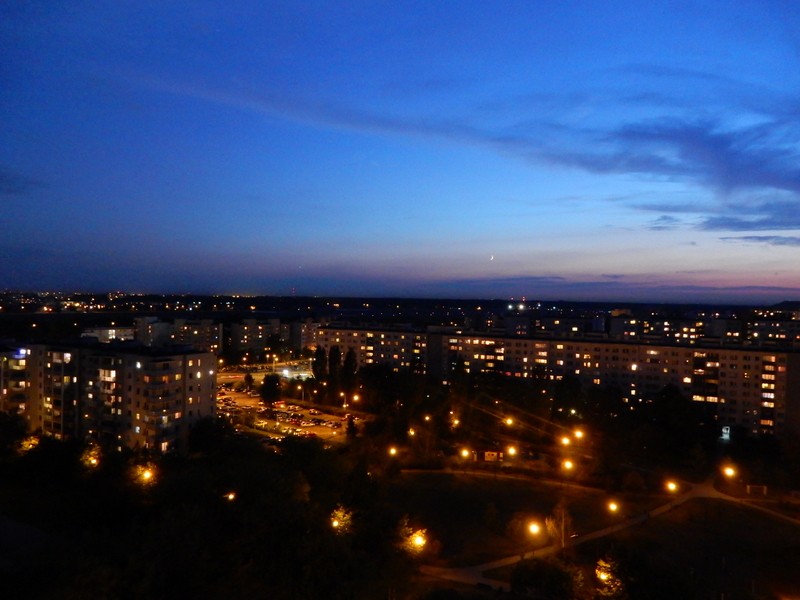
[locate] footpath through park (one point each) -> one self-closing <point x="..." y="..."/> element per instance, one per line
<point x="474" y="575"/>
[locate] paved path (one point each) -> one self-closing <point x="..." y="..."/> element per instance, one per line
<point x="475" y="575"/>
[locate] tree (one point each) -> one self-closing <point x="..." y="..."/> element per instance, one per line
<point x="319" y="365"/>
<point x="271" y="387"/>
<point x="12" y="430"/>
<point x="248" y="381"/>
<point x="547" y="578"/>
<point x="609" y="584"/>
<point x="559" y="525"/>
<point x="348" y="373"/>
<point x="334" y="366"/>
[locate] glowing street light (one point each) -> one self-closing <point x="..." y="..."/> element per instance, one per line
<point x="671" y="486"/>
<point x="613" y="506"/>
<point x="578" y="433"/>
<point x="230" y="496"/>
<point x="566" y="441"/>
<point x="412" y="432"/>
<point x="568" y="465"/>
<point x="145" y="474"/>
<point x="534" y="528"/>
<point x="91" y="457"/>
<point x="465" y="453"/>
<point x="392" y="451"/>
<point x="419" y="540"/>
<point x="512" y="451"/>
<point x="729" y="472"/>
<point x="509" y="421"/>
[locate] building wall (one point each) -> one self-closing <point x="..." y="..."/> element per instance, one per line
<point x="755" y="388"/>
<point x="400" y="349"/>
<point x="13" y="380"/>
<point x="128" y="397"/>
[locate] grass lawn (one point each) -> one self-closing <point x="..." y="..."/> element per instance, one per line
<point x="713" y="547"/>
<point x="477" y="518"/>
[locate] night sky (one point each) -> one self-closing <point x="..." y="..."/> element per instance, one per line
<point x="556" y="150"/>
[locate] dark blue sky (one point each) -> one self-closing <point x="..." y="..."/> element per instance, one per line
<point x="603" y="150"/>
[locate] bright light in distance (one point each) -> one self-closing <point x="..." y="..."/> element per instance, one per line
<point x="672" y="486"/>
<point x="411" y="432"/>
<point x="578" y="434"/>
<point x="512" y="451"/>
<point x="565" y="441"/>
<point x="729" y="471"/>
<point x="419" y="540"/>
<point x="465" y="453"/>
<point x="427" y="417"/>
<point x="568" y="465"/>
<point x="509" y="421"/>
<point x="613" y="506"/>
<point x="534" y="528"/>
<point x="144" y="474"/>
<point x="230" y="496"/>
<point x="392" y="451"/>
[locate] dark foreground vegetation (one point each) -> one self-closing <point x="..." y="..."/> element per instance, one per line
<point x="230" y="520"/>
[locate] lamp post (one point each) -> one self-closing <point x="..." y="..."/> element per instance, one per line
<point x="534" y="530"/>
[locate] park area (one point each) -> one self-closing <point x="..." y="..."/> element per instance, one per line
<point x="475" y="517"/>
<point x="701" y="549"/>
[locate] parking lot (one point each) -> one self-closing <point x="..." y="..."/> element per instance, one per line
<point x="279" y="419"/>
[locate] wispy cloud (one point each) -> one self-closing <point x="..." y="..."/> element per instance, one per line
<point x="771" y="240"/>
<point x="728" y="160"/>
<point x="664" y="223"/>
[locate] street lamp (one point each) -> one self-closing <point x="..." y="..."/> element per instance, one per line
<point x="565" y="441"/>
<point x="568" y="465"/>
<point x="509" y="421"/>
<point x="613" y="506"/>
<point x="534" y="528"/>
<point x="144" y="474"/>
<point x="419" y="540"/>
<point x="729" y="472"/>
<point x="671" y="486"/>
<point x="578" y="434"/>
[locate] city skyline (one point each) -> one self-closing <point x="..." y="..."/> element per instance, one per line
<point x="444" y="149"/>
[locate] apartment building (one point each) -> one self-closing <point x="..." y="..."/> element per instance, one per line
<point x="400" y="348"/>
<point x="204" y="335"/>
<point x="13" y="379"/>
<point x="124" y="394"/>
<point x="754" y="387"/>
